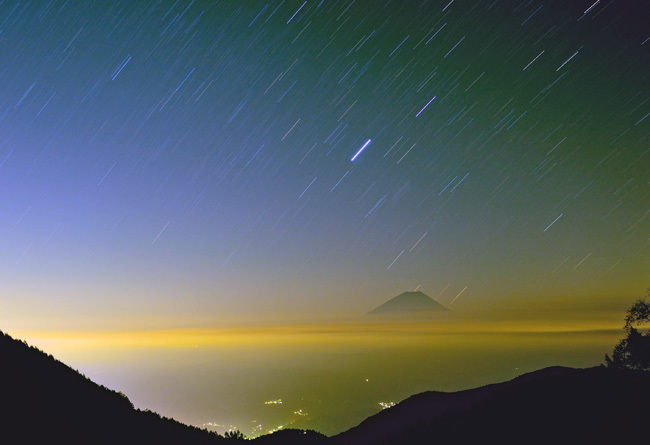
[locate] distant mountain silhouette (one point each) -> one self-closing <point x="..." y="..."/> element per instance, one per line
<point x="44" y="401"/>
<point x="553" y="405"/>
<point x="409" y="303"/>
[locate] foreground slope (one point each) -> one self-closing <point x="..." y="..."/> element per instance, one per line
<point x="45" y="401"/>
<point x="553" y="405"/>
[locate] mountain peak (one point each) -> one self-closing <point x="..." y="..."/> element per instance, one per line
<point x="409" y="303"/>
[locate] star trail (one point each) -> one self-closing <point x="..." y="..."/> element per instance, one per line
<point x="212" y="159"/>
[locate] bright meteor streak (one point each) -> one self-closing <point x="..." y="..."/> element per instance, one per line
<point x="424" y="107"/>
<point x="360" y="150"/>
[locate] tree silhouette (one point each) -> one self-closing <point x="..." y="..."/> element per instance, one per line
<point x="633" y="352"/>
<point x="234" y="435"/>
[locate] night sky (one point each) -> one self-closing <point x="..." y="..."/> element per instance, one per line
<point x="192" y="162"/>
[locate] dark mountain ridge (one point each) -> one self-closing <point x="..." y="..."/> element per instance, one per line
<point x="552" y="405"/>
<point x="45" y="401"/>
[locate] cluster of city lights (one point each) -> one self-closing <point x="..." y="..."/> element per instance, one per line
<point x="386" y="405"/>
<point x="256" y="431"/>
<point x="275" y="429"/>
<point x="215" y="426"/>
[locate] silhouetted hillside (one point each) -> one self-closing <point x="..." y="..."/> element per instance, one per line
<point x="45" y="401"/>
<point x="409" y="303"/>
<point x="295" y="437"/>
<point x="553" y="405"/>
